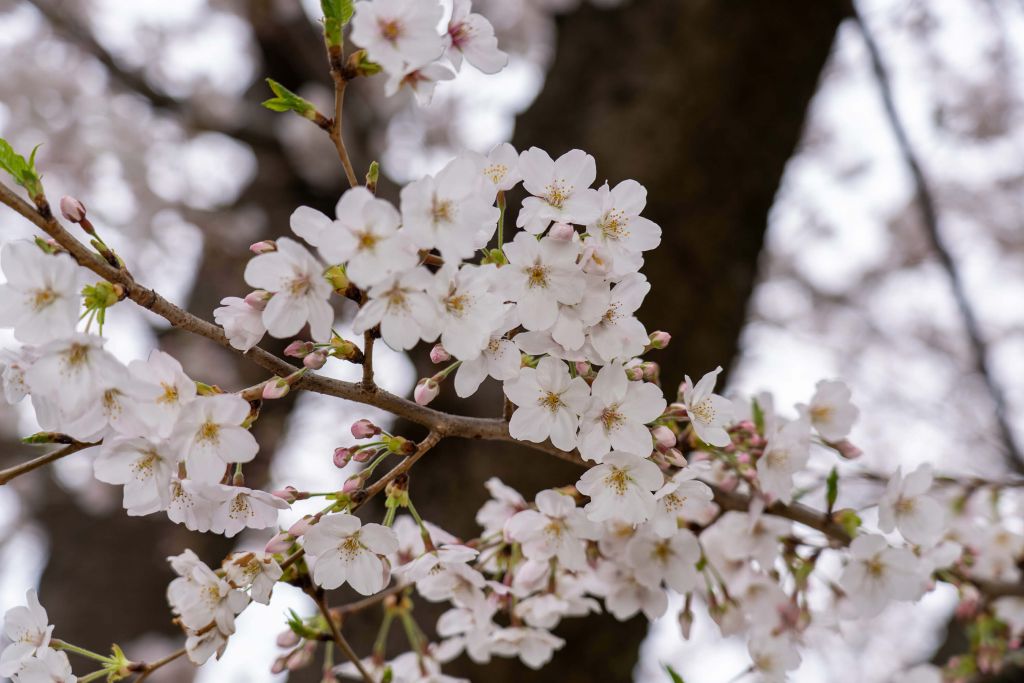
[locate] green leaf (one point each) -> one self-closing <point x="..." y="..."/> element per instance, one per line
<point x="676" y="678"/>
<point x="758" y="416"/>
<point x="337" y="13"/>
<point x="23" y="172"/>
<point x="286" y="100"/>
<point x="832" y="489"/>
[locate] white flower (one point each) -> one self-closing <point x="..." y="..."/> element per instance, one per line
<point x="444" y="574"/>
<point x="188" y="507"/>
<point x="172" y="389"/>
<point x="620" y="488"/>
<point x="49" y="666"/>
<point x="549" y="404"/>
<point x="29" y="630"/>
<point x="347" y="551"/>
<point x="618" y="413"/>
<point x="471" y="36"/>
<point x="500" y="168"/>
<point x="14" y="364"/>
<point x="620" y="230"/>
<point x="904" y="506"/>
<point x="469" y="310"/>
<point x="242" y="323"/>
<point x="572" y="323"/>
<point x="618" y="334"/>
<point x="209" y="436"/>
<point x="556" y="529"/>
<point x="403" y="309"/>
<point x="922" y="673"/>
<point x="708" y="411"/>
<point x="504" y="503"/>
<point x="421" y="80"/>
<point x="682" y="498"/>
<point x="739" y="536"/>
<point x="539" y="276"/>
<point x="300" y="291"/>
<point x="624" y="595"/>
<point x="787" y="453"/>
<point x="71" y="373"/>
<point x="365" y="237"/>
<point x="206" y="599"/>
<point x="451" y="211"/>
<point x="672" y="560"/>
<point x="470" y="629"/>
<point x="877" y="574"/>
<point x="236" y="507"/>
<point x="772" y="657"/>
<point x="397" y="33"/>
<point x="256" y="571"/>
<point x="561" y="189"/>
<point x="120" y="405"/>
<point x="143" y="467"/>
<point x="831" y="411"/>
<point x="201" y="646"/>
<point x="499" y="359"/>
<point x="40" y="299"/>
<point x="535" y="647"/>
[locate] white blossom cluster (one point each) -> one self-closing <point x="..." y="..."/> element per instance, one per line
<point x="551" y="315"/>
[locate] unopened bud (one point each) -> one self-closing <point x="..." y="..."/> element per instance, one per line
<point x="363" y="454"/>
<point x="315" y="360"/>
<point x="595" y="262"/>
<point x="290" y="494"/>
<point x="664" y="438"/>
<point x="652" y="371"/>
<point x="438" y="354"/>
<point x="426" y="391"/>
<point x="346" y="350"/>
<point x="342" y="456"/>
<point x="302" y="657"/>
<point x="279" y="543"/>
<point x="279" y="666"/>
<point x="660" y="339"/>
<point x="338" y="279"/>
<point x="276" y="387"/>
<point x="258" y="299"/>
<point x="635" y="373"/>
<point x="562" y="232"/>
<point x="263" y="247"/>
<point x="72" y="209"/>
<point x="400" y="445"/>
<point x="364" y="429"/>
<point x="675" y="457"/>
<point x="298" y="349"/>
<point x="686" y="622"/>
<point x="847" y="449"/>
<point x="676" y="410"/>
<point x="352" y="484"/>
<point x="287" y="639"/>
<point x="301" y="527"/>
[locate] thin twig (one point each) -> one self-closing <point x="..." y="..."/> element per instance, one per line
<point x="368" y="338"/>
<point x="18" y="470"/>
<point x="366" y="603"/>
<point x="339" y="640"/>
<point x="153" y="666"/>
<point x="930" y="218"/>
<point x="336" y="135"/>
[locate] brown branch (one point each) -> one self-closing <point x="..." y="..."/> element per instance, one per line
<point x="150" y="668"/>
<point x="336" y="135"/>
<point x="930" y="218"/>
<point x="18" y="470"/>
<point x="319" y="598"/>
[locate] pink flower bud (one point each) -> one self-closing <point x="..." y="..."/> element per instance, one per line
<point x="635" y="373"/>
<point x="743" y="458"/>
<point x="298" y="349"/>
<point x="675" y="457"/>
<point x="659" y="339"/>
<point x="847" y="449"/>
<point x="315" y="360"/>
<point x="287" y="639"/>
<point x="364" y="454"/>
<point x="352" y="484"/>
<point x="279" y="543"/>
<point x="651" y="371"/>
<point x="302" y="657"/>
<point x="301" y="527"/>
<point x="364" y="429"/>
<point x="595" y="261"/>
<point x="276" y="387"/>
<point x="562" y="232"/>
<point x="263" y="247"/>
<point x="258" y="299"/>
<point x="676" y="410"/>
<point x="289" y="494"/>
<point x="438" y="354"/>
<point x="664" y="438"/>
<point x="342" y="456"/>
<point x="279" y="666"/>
<point x="72" y="209"/>
<point x="686" y="622"/>
<point x="583" y="368"/>
<point x="426" y="391"/>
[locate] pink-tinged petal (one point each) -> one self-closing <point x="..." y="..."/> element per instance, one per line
<point x="379" y="539"/>
<point x="366" y="573"/>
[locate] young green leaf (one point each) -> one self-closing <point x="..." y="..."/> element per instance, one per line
<point x="676" y="678"/>
<point x="286" y="100"/>
<point x="23" y="172"/>
<point x="337" y="13"/>
<point x="832" y="489"/>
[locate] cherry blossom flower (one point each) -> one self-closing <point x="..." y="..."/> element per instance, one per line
<point x="905" y="506"/>
<point x="469" y="310"/>
<point x="172" y="389"/>
<point x="403" y="309"/>
<point x="202" y="599"/>
<point x="773" y="656"/>
<point x="143" y="467"/>
<point x="397" y="33"/>
<point x="618" y="413"/>
<point x="878" y="574"/>
<point x="831" y="411"/>
<point x="504" y="503"/>
<point x="71" y="373"/>
<point x="365" y="237"/>
<point x="451" y="211"/>
<point x="470" y="35"/>
<point x="540" y="275"/>
<point x="557" y="528"/>
<point x="620" y="488"/>
<point x="209" y="436"/>
<point x="708" y="412"/>
<point x="533" y="646"/>
<point x="40" y="299"/>
<point x="570" y="327"/>
<point x="445" y="574"/>
<point x="672" y="560"/>
<point x="470" y="630"/>
<point x="236" y="507"/>
<point x="243" y="324"/>
<point x="28" y="629"/>
<point x="300" y="292"/>
<point x="499" y="358"/>
<point x="421" y="81"/>
<point x="120" y="406"/>
<point x="739" y="536"/>
<point x="620" y="230"/>
<point x="188" y="507"/>
<point x="500" y="168"/>
<point x="348" y="551"/>
<point x="256" y="571"/>
<point x="787" y="453"/>
<point x="549" y="404"/>
<point x="625" y="595"/>
<point x="681" y="499"/>
<point x="561" y="189"/>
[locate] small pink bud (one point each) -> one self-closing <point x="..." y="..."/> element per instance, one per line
<point x="675" y="457"/>
<point x="664" y="438"/>
<point x="562" y="232"/>
<point x="258" y="299"/>
<point x="686" y="622"/>
<point x="301" y="527"/>
<point x="287" y="639"/>
<point x="635" y="373"/>
<point x="651" y="371"/>
<point x="364" y="429"/>
<point x="302" y="657"/>
<point x="583" y="368"/>
<point x="847" y="449"/>
<point x="72" y="209"/>
<point x="289" y="494"/>
<point x="426" y="391"/>
<point x="342" y="456"/>
<point x="279" y="543"/>
<point x="676" y="410"/>
<point x="660" y="340"/>
<point x="279" y="666"/>
<point x="364" y="454"/>
<point x="352" y="484"/>
<point x="298" y="349"/>
<point x="275" y="388"/>
<point x="263" y="247"/>
<point x="743" y="458"/>
<point x="595" y="261"/>
<point x="438" y="354"/>
<point x="315" y="360"/>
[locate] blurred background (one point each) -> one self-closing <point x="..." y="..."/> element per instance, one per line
<point x="840" y="187"/>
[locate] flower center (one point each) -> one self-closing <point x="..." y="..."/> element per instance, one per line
<point x="351" y="547"/>
<point x="456" y="304"/>
<point x="821" y="413"/>
<point x="240" y="507"/>
<point x="143" y="467"/>
<point x="537" y="276"/>
<point x="496" y="172"/>
<point x="556" y="193"/>
<point x="366" y="241"/>
<point x="611" y="417"/>
<point x="551" y="401"/>
<point x="618" y="480"/>
<point x="209" y="431"/>
<point x="41" y="298"/>
<point x="613" y="225"/>
<point x="390" y="30"/>
<point x="396" y="300"/>
<point x="299" y="285"/>
<point x="442" y="210"/>
<point x="77" y="354"/>
<point x="170" y="394"/>
<point x="704" y="411"/>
